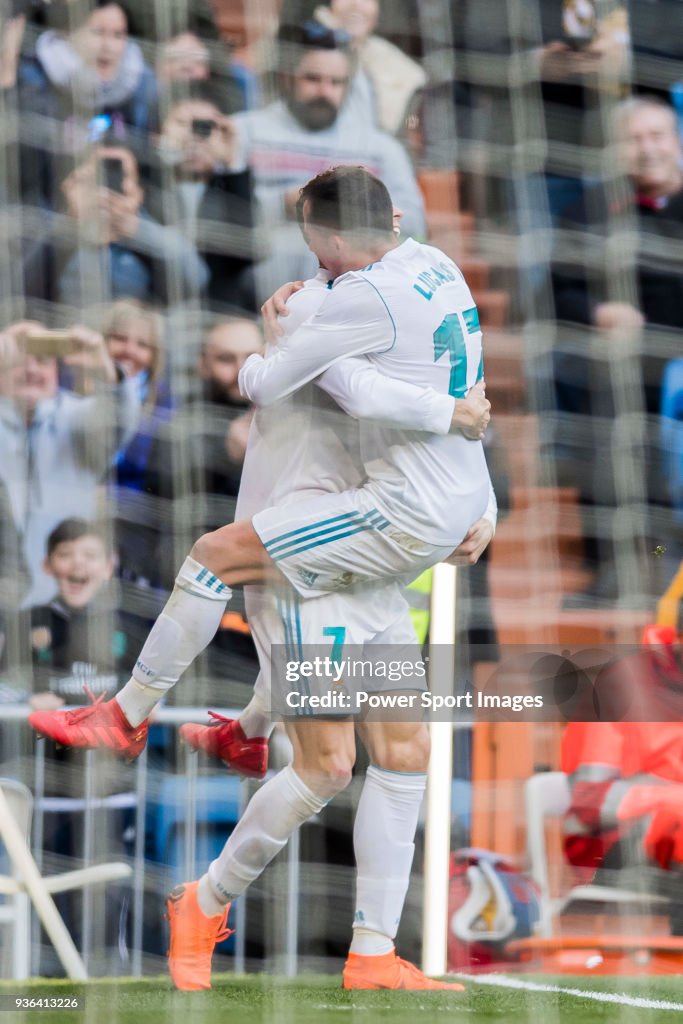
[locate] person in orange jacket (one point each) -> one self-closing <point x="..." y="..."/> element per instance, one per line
<point x="627" y="777"/>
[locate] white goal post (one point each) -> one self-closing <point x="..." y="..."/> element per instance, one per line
<point x="439" y="779"/>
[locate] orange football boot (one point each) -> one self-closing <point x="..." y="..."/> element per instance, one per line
<point x="193" y="937"/>
<point x="389" y="971"/>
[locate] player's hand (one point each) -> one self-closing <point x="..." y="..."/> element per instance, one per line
<point x="275" y="307"/>
<point x="472" y="547"/>
<point x="90" y="354"/>
<point x="472" y="414"/>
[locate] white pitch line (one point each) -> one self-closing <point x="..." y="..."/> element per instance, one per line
<point x="599" y="997"/>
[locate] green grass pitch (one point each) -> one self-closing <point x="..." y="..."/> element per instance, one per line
<point x="260" y="999"/>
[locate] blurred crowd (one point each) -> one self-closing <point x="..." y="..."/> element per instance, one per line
<point x="148" y="184"/>
<point x="151" y="161"/>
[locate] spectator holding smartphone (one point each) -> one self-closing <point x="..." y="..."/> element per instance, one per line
<point x="56" y="445"/>
<point x="109" y="246"/>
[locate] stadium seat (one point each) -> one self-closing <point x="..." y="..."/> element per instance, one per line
<point x="217" y="804"/>
<point x="24" y="883"/>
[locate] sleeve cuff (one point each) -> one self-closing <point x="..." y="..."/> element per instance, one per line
<point x="441" y="412"/>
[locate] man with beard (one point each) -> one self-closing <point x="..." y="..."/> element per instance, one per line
<point x="226" y="416"/>
<point x="305" y="131"/>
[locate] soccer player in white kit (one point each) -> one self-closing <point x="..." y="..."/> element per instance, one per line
<point x="294" y="792"/>
<point x="316" y="456"/>
<point x="423" y="490"/>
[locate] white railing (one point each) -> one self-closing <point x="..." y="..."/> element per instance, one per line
<point x="137" y="800"/>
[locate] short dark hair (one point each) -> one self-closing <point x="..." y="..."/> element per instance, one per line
<point x="74" y="529"/>
<point x="294" y="41"/>
<point x="210" y="90"/>
<point x="348" y="200"/>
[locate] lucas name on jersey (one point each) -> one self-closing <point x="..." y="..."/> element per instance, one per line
<point x="433" y="278"/>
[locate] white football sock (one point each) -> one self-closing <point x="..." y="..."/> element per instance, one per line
<point x="272" y="815"/>
<point x="255" y="719"/>
<point x="383" y="841"/>
<point x="185" y="627"/>
<point x="137" y="701"/>
<point x="209" y="904"/>
<point x="368" y="943"/>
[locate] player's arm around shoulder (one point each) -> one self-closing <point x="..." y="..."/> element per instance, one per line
<point x="353" y="319"/>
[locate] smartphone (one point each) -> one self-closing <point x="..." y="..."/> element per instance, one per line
<point x="112" y="173"/>
<point x="49" y="344"/>
<point x="202" y="127"/>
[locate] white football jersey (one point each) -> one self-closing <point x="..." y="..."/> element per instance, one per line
<point x="413" y="315"/>
<point x="306" y="445"/>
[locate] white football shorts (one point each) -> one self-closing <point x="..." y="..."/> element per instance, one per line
<point x="335" y="541"/>
<point x="342" y="625"/>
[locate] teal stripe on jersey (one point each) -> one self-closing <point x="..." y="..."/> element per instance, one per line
<point x="327" y="540"/>
<point x="297" y="622"/>
<point x="393" y="322"/>
<point x="311" y="526"/>
<point x="294" y="625"/>
<point x="376" y="519"/>
<point x="373" y="519"/>
<point x="281" y="613"/>
<point x="273" y="551"/>
<point x="471" y="318"/>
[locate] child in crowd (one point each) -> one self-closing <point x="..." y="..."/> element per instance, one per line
<point x="77" y="645"/>
<point x="74" y="639"/>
